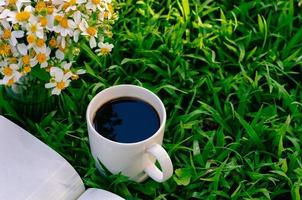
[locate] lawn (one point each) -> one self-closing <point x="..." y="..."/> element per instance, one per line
<point x="229" y="74"/>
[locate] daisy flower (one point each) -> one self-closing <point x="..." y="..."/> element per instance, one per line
<point x="60" y="52"/>
<point x="8" y="34"/>
<point x="77" y="16"/>
<point x="34" y="27"/>
<point x="70" y="5"/>
<point x="41" y="58"/>
<point x="94" y="5"/>
<point x="25" y="60"/>
<point x="107" y="12"/>
<point x="11" y="74"/>
<point x="104" y="48"/>
<point x="89" y="31"/>
<point x="59" y="81"/>
<point x="20" y="17"/>
<point x="64" y="26"/>
<point x="17" y="3"/>
<point x="39" y="45"/>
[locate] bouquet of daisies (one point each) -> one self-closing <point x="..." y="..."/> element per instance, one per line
<point x="47" y="34"/>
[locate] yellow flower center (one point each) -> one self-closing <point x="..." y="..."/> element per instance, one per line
<point x="61" y="85"/>
<point x="5" y="50"/>
<point x="12" y="2"/>
<point x="34" y="28"/>
<point x="31" y="38"/>
<point x="61" y="48"/>
<point x="66" y="5"/>
<point x="74" y="77"/>
<point x="110" y="8"/>
<point x="106" y="13"/>
<point x="64" y="23"/>
<point x="40" y="6"/>
<point x="41" y="57"/>
<point x="13" y="60"/>
<point x="96" y="2"/>
<point x="91" y="31"/>
<point x="50" y="10"/>
<point x="26" y="69"/>
<point x="105" y="51"/>
<point x="40" y="43"/>
<point x="58" y="18"/>
<point x="22" y="16"/>
<point x="6" y="34"/>
<point x="53" y="43"/>
<point x="48" y="70"/>
<point x="11" y="82"/>
<point x="26" y="59"/>
<point x="43" y="21"/>
<point x="7" y="71"/>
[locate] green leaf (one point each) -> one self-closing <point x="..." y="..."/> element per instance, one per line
<point x="295" y="40"/>
<point x="250" y="131"/>
<point x="182" y="176"/>
<point x="40" y="73"/>
<point x="284" y="165"/>
<point x="91" y="54"/>
<point x="186" y="8"/>
<point x="295" y="191"/>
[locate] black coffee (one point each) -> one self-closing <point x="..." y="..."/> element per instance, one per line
<point x="126" y="120"/>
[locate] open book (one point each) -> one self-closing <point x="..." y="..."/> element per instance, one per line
<point x="30" y="170"/>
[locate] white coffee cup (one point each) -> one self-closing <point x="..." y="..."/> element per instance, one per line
<point x="135" y="160"/>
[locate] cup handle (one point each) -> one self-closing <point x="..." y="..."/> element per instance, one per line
<point x="164" y="161"/>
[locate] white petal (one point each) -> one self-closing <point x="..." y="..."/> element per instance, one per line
<point x="14" y="66"/>
<point x="50" y="85"/>
<point x="59" y="76"/>
<point x="63" y="43"/>
<point x="45" y="64"/>
<point x="18" y="34"/>
<point x="82" y="26"/>
<point x="81" y="71"/>
<point x="77" y="17"/>
<point x="54" y="70"/>
<point x="64" y="32"/>
<point x="92" y="42"/>
<point x="89" y="6"/>
<point x="4" y="14"/>
<point x="66" y="65"/>
<point x="67" y="83"/>
<point x="60" y="55"/>
<point x="50" y="20"/>
<point x="40" y="34"/>
<point x="33" y="19"/>
<point x="33" y="62"/>
<point x="13" y="41"/>
<point x="71" y="24"/>
<point x="29" y="9"/>
<point x="67" y="76"/>
<point x="17" y="76"/>
<point x="47" y="51"/>
<point x="22" y="48"/>
<point x="56" y="91"/>
<point x="76" y="36"/>
<point x="6" y="79"/>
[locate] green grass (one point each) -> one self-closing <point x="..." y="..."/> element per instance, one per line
<point x="229" y="74"/>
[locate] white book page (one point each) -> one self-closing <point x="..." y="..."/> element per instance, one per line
<point x="30" y="170"/>
<point x="98" y="194"/>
